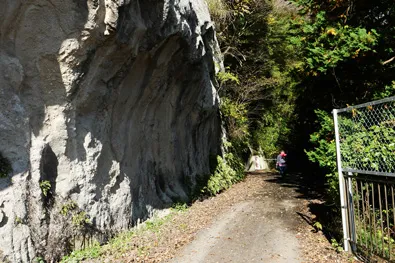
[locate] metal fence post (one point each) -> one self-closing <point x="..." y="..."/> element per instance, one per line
<point x="353" y="236"/>
<point x="341" y="185"/>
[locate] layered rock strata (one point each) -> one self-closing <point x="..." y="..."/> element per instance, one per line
<point x="107" y="113"/>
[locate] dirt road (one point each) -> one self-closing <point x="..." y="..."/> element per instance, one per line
<point x="265" y="218"/>
<point x="261" y="229"/>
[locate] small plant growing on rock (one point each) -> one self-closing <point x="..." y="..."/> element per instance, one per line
<point x="80" y="219"/>
<point x="74" y="230"/>
<point x="66" y="208"/>
<point x="18" y="220"/>
<point x="45" y="186"/>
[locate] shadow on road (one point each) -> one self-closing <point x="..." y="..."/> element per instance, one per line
<point x="312" y="189"/>
<point x="306" y="186"/>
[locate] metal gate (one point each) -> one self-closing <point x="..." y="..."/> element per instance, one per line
<point x="365" y="148"/>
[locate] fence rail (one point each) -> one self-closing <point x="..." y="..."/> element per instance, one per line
<point x="373" y="215"/>
<point x="365" y="147"/>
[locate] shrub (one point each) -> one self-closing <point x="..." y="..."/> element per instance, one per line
<point x="324" y="152"/>
<point x="235" y="116"/>
<point x="229" y="170"/>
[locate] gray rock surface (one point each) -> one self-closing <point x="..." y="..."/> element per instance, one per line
<point x="111" y="103"/>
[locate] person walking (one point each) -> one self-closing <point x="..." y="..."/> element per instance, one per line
<point x="281" y="163"/>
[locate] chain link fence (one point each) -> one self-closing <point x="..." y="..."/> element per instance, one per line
<point x="365" y="146"/>
<point x="367" y="137"/>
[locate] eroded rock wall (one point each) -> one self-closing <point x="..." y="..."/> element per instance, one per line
<point x="110" y="103"/>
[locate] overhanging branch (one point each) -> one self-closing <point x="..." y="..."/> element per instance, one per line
<point x="388" y="61"/>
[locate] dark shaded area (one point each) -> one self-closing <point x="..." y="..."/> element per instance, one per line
<point x="48" y="173"/>
<point x="311" y="187"/>
<point x="5" y="170"/>
<point x="5" y="166"/>
<point x="4" y="221"/>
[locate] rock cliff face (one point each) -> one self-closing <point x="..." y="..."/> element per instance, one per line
<point x="107" y="113"/>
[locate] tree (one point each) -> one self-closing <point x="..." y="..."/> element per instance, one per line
<point x="261" y="56"/>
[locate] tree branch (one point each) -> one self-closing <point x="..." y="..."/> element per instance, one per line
<point x="388" y="61"/>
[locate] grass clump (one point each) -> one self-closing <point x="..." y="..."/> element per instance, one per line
<point x="219" y="10"/>
<point x="180" y="207"/>
<point x="91" y="252"/>
<point x="155" y="224"/>
<point x="124" y="242"/>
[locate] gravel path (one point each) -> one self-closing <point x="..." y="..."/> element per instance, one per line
<point x="262" y="229"/>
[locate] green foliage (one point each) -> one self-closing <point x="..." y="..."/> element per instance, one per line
<point x="155" y="224"/>
<point x="338" y="247"/>
<point x="318" y="226"/>
<point x="389" y="90"/>
<point x="5" y="167"/>
<point x="80" y="219"/>
<point x="237" y="150"/>
<point x="273" y="132"/>
<point x="266" y="137"/>
<point x="180" y="207"/>
<point x="68" y="207"/>
<point x="224" y="77"/>
<point x="376" y="230"/>
<point x="222" y="179"/>
<point x="324" y="151"/>
<point x="121" y="243"/>
<point x="235" y="116"/>
<point x="374" y="237"/>
<point x="91" y="252"/>
<point x="18" y="220"/>
<point x="369" y="147"/>
<point x="293" y="66"/>
<point x="45" y="187"/>
<point x="258" y="89"/>
<point x="326" y="43"/>
<point x="228" y="169"/>
<point x="344" y="45"/>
